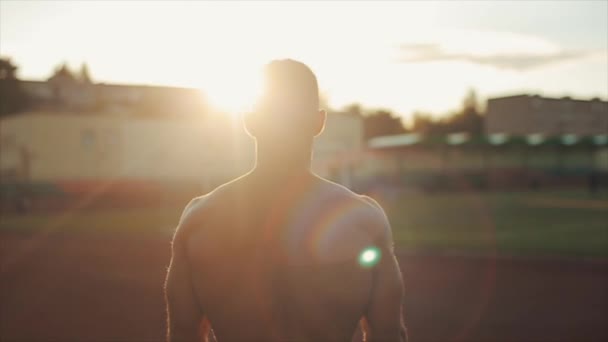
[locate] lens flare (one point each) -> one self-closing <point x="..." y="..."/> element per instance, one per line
<point x="369" y="257"/>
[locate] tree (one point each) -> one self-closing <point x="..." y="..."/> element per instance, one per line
<point x="12" y="97"/>
<point x="381" y="122"/>
<point x="85" y="75"/>
<point x="62" y="73"/>
<point x="468" y="118"/>
<point x="424" y="123"/>
<point x="353" y="109"/>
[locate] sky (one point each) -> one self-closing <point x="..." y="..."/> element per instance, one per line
<point x="404" y="56"/>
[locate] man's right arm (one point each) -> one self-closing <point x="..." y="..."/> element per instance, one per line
<point x="384" y="317"/>
<point x="184" y="315"/>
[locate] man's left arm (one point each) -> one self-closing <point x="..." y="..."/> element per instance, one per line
<point x="384" y="319"/>
<point x="184" y="316"/>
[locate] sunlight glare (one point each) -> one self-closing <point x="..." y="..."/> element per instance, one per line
<point x="233" y="90"/>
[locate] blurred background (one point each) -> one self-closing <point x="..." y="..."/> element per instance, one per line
<point x="481" y="127"/>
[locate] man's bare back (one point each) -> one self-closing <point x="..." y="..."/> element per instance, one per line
<point x="279" y="255"/>
<point x="283" y="263"/>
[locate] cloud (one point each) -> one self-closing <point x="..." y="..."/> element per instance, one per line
<point x="422" y="53"/>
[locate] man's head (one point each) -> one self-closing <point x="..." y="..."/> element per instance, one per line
<point x="287" y="111"/>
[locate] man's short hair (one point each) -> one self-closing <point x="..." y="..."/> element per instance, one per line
<point x="288" y="86"/>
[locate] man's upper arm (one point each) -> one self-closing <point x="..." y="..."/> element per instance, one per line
<point x="183" y="312"/>
<point x="384" y="315"/>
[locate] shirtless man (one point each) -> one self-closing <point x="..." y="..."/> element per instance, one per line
<point x="281" y="254"/>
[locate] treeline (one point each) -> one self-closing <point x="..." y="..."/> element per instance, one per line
<point x="165" y="102"/>
<point x="12" y="97"/>
<point x="468" y="118"/>
<point x="75" y="90"/>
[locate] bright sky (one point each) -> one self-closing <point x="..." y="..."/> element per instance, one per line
<point x="401" y="55"/>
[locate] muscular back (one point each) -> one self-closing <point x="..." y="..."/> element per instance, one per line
<point x="282" y="261"/>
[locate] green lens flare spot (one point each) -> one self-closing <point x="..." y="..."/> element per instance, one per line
<point x="369" y="257"/>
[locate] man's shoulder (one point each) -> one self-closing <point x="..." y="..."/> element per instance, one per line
<point x="338" y="192"/>
<point x="223" y="191"/>
<point x="198" y="208"/>
<point x="366" y="211"/>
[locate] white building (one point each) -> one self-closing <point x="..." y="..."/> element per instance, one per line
<point x="50" y="146"/>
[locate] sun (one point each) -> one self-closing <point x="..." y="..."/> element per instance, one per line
<point x="233" y="92"/>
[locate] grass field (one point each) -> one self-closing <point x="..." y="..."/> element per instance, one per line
<point x="549" y="223"/>
<point x="542" y="224"/>
<point x="101" y="279"/>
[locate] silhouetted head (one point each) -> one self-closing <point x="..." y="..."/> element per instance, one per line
<point x="286" y="116"/>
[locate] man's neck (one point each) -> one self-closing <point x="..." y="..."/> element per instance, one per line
<point x="279" y="168"/>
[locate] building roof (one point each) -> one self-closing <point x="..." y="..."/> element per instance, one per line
<point x="498" y="139"/>
<point x="535" y="96"/>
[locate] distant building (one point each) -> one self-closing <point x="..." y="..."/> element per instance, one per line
<point x="62" y="93"/>
<point x="533" y="114"/>
<point x="51" y="146"/>
<point x="79" y="130"/>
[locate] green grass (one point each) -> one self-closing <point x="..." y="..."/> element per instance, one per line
<point x="505" y="223"/>
<point x="142" y="220"/>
